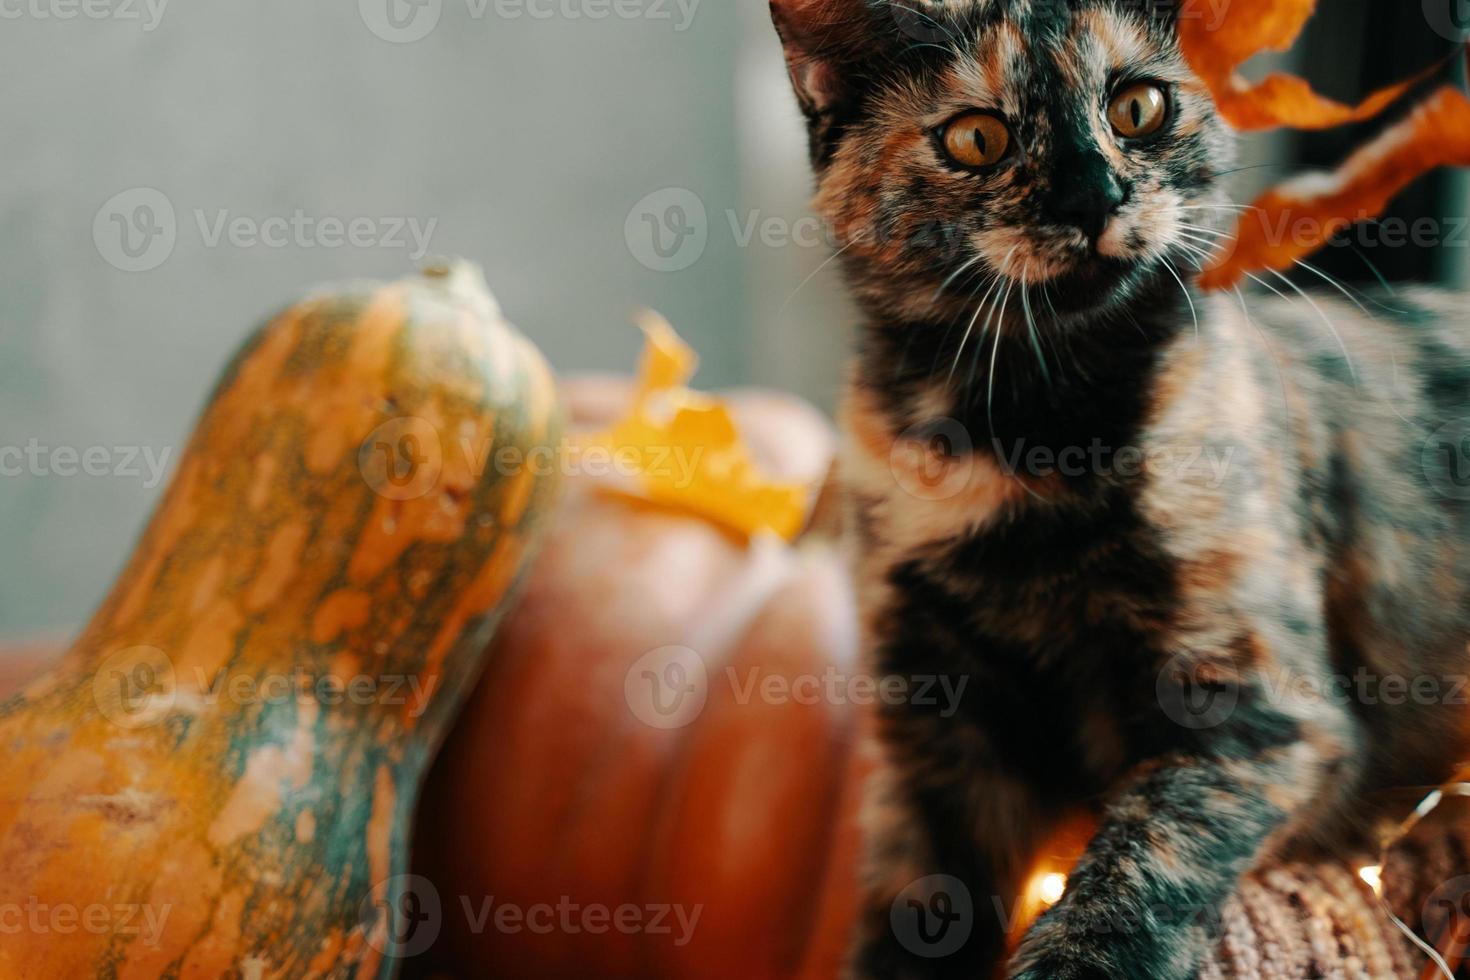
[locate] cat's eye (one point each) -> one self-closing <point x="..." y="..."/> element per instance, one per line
<point x="1139" y="110"/>
<point x="976" y="139"/>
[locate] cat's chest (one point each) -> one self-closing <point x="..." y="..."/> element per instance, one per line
<point x="914" y="489"/>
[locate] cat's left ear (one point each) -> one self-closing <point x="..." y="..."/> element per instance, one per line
<point x="824" y="41"/>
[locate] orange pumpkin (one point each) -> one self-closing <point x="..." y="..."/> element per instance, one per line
<point x="218" y="778"/>
<point x="627" y="753"/>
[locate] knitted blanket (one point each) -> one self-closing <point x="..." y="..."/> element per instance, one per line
<point x="1300" y="921"/>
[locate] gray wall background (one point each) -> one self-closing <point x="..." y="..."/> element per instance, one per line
<point x="528" y="141"/>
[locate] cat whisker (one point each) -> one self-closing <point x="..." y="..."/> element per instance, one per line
<point x="1184" y="289"/>
<point x="828" y="261"/>
<point x="1056" y="320"/>
<point x="959" y="352"/>
<point x="966" y="267"/>
<point x="1270" y="288"/>
<point x="1195" y="254"/>
<point x="1215" y="207"/>
<point x="1031" y="329"/>
<point x="949" y="329"/>
<point x="1377" y="274"/>
<point x="1334" y="283"/>
<point x="980" y="346"/>
<point x="1348" y="290"/>
<point x="1280" y="372"/>
<point x="1352" y="368"/>
<point x="1215" y="232"/>
<point x="994" y="356"/>
<point x="1213" y="246"/>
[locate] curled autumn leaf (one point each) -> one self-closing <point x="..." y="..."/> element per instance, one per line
<point x="1297" y="218"/>
<point x="1301" y="215"/>
<point x="688" y="451"/>
<point x="1216" y="41"/>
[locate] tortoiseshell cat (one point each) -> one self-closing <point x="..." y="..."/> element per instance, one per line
<point x="1191" y="552"/>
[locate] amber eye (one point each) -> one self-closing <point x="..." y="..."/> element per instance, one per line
<point x="976" y="139"/>
<point x="1139" y="110"/>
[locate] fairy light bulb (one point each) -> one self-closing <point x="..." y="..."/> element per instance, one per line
<point x="1372" y="876"/>
<point x="1051" y="887"/>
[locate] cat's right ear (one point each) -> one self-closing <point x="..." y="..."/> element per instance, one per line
<point x="823" y="40"/>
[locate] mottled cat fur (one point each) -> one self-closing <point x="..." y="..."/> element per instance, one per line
<point x="1101" y="496"/>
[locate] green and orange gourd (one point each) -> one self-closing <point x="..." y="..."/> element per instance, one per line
<point x="218" y="779"/>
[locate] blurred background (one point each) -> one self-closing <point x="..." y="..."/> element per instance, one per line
<point x="176" y="172"/>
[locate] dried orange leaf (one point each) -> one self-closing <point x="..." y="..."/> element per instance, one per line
<point x="1217" y="41"/>
<point x="1300" y="216"/>
<point x="687" y="452"/>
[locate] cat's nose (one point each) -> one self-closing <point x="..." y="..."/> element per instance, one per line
<point x="1087" y="196"/>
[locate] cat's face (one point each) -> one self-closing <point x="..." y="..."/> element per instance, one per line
<point x="1056" y="147"/>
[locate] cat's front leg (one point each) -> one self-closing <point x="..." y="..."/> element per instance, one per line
<point x="1144" y="901"/>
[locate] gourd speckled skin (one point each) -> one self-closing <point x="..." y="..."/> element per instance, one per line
<point x="218" y="779"/>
